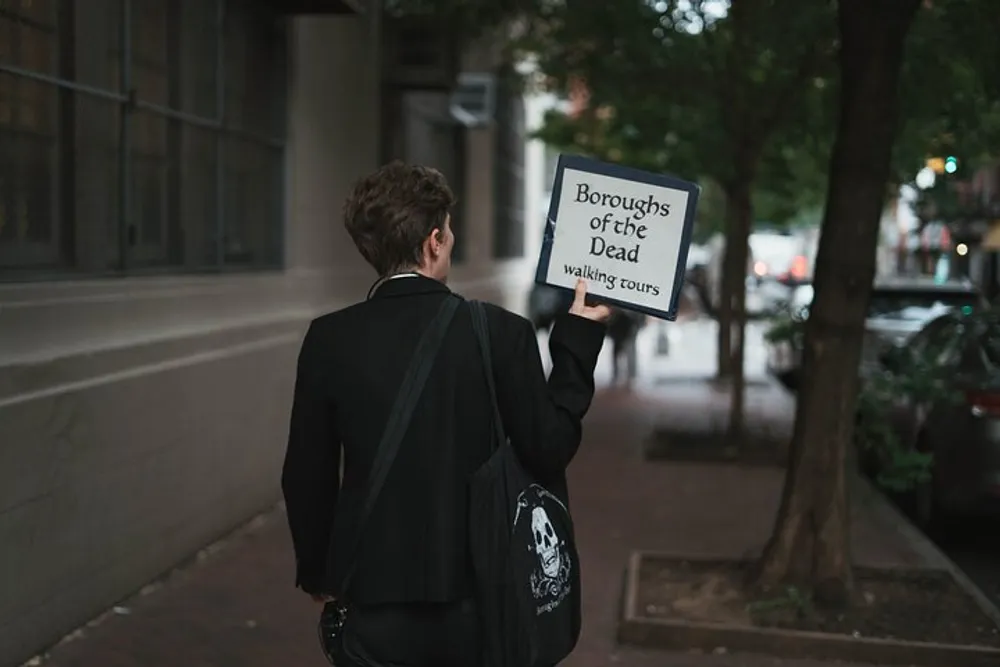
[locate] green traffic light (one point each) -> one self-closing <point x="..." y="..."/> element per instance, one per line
<point x="951" y="164"/>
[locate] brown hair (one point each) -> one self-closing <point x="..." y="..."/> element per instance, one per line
<point x="390" y="213"/>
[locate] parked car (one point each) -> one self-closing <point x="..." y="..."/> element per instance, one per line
<point x="545" y="303"/>
<point x="960" y="428"/>
<point x="897" y="309"/>
<point x="778" y="261"/>
<point x="698" y="257"/>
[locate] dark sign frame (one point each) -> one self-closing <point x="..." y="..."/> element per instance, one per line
<point x="592" y="166"/>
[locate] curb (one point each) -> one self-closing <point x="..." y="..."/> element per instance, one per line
<point x="657" y="633"/>
<point x="932" y="556"/>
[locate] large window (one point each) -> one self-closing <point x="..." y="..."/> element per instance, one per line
<point x="140" y="136"/>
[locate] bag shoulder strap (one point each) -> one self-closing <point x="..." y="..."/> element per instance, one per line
<point x="405" y="403"/>
<point x="482" y="328"/>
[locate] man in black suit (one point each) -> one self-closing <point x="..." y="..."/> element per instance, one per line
<point x="411" y="600"/>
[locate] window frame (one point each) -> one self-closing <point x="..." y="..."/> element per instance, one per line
<point x="510" y="121"/>
<point x="26" y="253"/>
<point x="132" y="252"/>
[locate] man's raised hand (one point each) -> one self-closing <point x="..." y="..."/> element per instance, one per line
<point x="598" y="313"/>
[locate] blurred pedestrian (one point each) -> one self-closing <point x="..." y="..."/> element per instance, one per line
<point x="623" y="328"/>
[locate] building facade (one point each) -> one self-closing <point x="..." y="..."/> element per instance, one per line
<point x="540" y="162"/>
<point x="983" y="258"/>
<point x="171" y="178"/>
<point x="958" y="227"/>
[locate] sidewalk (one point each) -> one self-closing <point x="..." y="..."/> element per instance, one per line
<point x="236" y="607"/>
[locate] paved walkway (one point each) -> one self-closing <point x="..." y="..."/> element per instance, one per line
<point x="236" y="606"/>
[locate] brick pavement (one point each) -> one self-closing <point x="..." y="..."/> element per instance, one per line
<point x="236" y="607"/>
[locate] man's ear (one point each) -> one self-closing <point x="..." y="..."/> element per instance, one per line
<point x="436" y="241"/>
<point x="429" y="248"/>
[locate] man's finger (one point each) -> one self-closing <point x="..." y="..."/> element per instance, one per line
<point x="580" y="294"/>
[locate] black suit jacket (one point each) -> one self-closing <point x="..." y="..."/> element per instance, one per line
<point x="414" y="546"/>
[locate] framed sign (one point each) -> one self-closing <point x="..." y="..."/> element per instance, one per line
<point x="625" y="231"/>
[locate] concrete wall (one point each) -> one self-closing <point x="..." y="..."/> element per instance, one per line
<point x="537" y="173"/>
<point x="140" y="419"/>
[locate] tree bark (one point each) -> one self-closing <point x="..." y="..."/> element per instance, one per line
<point x="739" y="214"/>
<point x="724" y="314"/>
<point x="810" y="545"/>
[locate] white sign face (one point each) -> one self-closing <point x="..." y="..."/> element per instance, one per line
<point x="624" y="231"/>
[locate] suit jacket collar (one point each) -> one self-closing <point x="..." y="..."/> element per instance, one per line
<point x="408" y="285"/>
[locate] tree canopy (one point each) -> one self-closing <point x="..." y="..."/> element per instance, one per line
<point x="676" y="112"/>
<point x="950" y="87"/>
<point x="692" y="88"/>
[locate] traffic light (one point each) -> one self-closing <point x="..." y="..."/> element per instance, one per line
<point x="951" y="164"/>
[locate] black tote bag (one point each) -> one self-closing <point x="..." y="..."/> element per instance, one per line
<point x="526" y="565"/>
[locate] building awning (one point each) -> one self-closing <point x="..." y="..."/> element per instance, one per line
<point x="991" y="239"/>
<point x="318" y="6"/>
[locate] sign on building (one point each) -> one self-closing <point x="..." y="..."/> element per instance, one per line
<point x="625" y="231"/>
<point x="473" y="100"/>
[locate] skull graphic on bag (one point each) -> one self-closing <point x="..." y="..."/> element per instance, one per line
<point x="546" y="542"/>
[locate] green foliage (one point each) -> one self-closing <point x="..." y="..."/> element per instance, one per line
<point x="707" y="104"/>
<point x="711" y="212"/>
<point x="786" y="326"/>
<point x="792" y="183"/>
<point x="691" y="103"/>
<point x="605" y="137"/>
<point x="793" y="599"/>
<point x="918" y="380"/>
<point x="950" y="88"/>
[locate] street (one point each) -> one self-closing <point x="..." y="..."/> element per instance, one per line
<point x="185" y="186"/>
<point x="973" y="544"/>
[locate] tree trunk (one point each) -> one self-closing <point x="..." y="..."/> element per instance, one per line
<point x="810" y="545"/>
<point x="724" y="315"/>
<point x="733" y="283"/>
<point x="739" y="214"/>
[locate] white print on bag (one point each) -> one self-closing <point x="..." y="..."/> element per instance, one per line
<point x="550" y="580"/>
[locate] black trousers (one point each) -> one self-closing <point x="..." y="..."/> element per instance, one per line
<point x="413" y="635"/>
